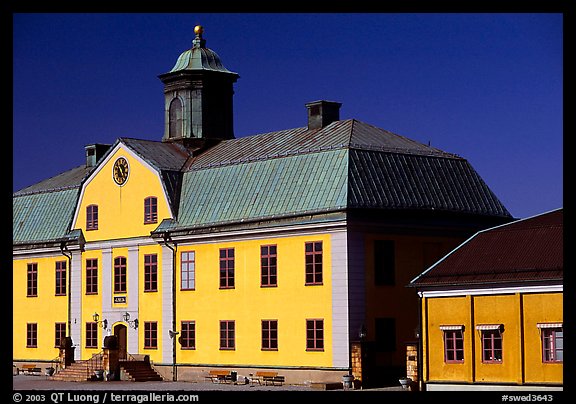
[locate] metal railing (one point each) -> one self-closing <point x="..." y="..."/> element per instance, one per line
<point x="94" y="363"/>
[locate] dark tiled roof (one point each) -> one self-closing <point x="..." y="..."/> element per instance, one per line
<point x="162" y="156"/>
<point x="405" y="181"/>
<point x="525" y="250"/>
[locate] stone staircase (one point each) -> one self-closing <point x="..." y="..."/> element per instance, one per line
<point x="138" y="371"/>
<point x="132" y="370"/>
<point x="76" y="372"/>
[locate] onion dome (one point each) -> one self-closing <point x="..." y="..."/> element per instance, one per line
<point x="199" y="57"/>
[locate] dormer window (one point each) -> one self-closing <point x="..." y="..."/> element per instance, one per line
<point x="150" y="210"/>
<point x="92" y="217"/>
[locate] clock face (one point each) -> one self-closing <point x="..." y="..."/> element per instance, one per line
<point x="120" y="171"/>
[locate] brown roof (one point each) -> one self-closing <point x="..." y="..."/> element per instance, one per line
<point x="525" y="250"/>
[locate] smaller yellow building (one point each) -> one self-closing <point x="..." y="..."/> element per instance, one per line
<point x="491" y="310"/>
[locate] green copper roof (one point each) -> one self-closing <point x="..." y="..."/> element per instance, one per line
<point x="199" y="57"/>
<point x="42" y="217"/>
<point x="299" y="184"/>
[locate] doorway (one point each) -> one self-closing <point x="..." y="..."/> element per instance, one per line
<point x="120" y="332"/>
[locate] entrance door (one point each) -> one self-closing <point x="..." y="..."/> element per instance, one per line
<point x="121" y="335"/>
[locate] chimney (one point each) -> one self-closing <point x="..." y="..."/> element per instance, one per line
<point x="322" y="113"/>
<point x="94" y="152"/>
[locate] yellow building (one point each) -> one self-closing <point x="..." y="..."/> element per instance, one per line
<point x="491" y="310"/>
<point x="271" y="251"/>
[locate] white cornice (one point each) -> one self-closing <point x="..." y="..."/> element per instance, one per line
<point x="262" y="233"/>
<point x="492" y="291"/>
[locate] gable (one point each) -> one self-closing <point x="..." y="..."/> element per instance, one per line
<point x="121" y="207"/>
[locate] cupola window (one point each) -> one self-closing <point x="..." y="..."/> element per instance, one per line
<point x="175" y="117"/>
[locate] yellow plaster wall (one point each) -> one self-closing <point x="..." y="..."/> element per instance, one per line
<point x="150" y="303"/>
<point x="90" y="304"/>
<point x="448" y="311"/>
<point x="500" y="309"/>
<point x="121" y="208"/>
<point x="541" y="308"/>
<point x="382" y="300"/>
<point x="45" y="310"/>
<point x="291" y="303"/>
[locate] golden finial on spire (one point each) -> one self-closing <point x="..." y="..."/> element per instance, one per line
<point x="199" y="30"/>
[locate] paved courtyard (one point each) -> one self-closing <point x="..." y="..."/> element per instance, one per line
<point x="28" y="382"/>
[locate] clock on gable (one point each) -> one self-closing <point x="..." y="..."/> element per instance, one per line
<point x="120" y="171"/>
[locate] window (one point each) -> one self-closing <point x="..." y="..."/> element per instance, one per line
<point x="269" y="335"/>
<point x="120" y="275"/>
<point x="552" y="344"/>
<point x="175" y="119"/>
<point x="32" y="280"/>
<point x="60" y="278"/>
<point x="384" y="262"/>
<point x="314" y="335"/>
<point x="314" y="263"/>
<point x="92" y="335"/>
<point x="188" y="335"/>
<point x="91" y="276"/>
<point x="385" y="334"/>
<point x="226" y="268"/>
<point x="491" y="335"/>
<point x="31" y="335"/>
<point x="453" y="344"/>
<point x="150" y="273"/>
<point x="92" y="217"/>
<point x="187" y="270"/>
<point x="150" y="210"/>
<point x="150" y="335"/>
<point x="268" y="269"/>
<point x="227" y="335"/>
<point x="59" y="333"/>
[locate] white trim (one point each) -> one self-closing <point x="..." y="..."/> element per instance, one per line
<point x="41" y="252"/>
<point x="549" y="325"/>
<point x="492" y="291"/>
<point x="451" y="327"/>
<point x="258" y="233"/>
<point x="488" y="327"/>
<point x="119" y="243"/>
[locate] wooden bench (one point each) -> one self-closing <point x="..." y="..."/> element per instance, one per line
<point x="30" y="368"/>
<point x="269" y="377"/>
<point x="220" y="376"/>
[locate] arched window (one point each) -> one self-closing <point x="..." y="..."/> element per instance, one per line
<point x="175" y="119"/>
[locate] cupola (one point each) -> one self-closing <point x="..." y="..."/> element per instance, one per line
<point x="198" y="94"/>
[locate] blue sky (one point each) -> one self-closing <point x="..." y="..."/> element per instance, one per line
<point x="485" y="86"/>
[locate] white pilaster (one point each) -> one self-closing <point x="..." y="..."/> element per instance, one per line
<point x="76" y="275"/>
<point x="167" y="296"/>
<point x="340" y="332"/>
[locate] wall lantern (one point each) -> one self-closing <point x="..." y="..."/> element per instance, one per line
<point x="133" y="324"/>
<point x="96" y="318"/>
